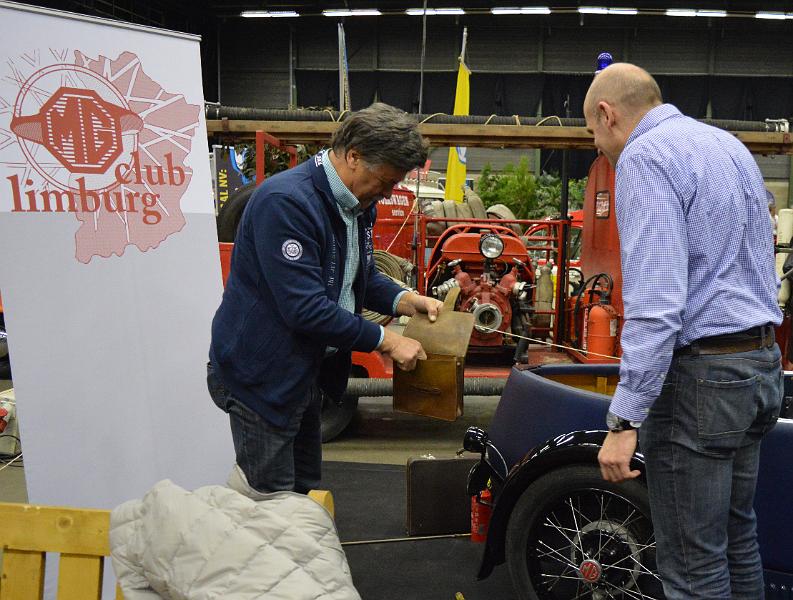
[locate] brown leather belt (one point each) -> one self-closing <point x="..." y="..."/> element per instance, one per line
<point x="730" y="343"/>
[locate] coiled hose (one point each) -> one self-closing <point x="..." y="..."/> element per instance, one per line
<point x="396" y="269"/>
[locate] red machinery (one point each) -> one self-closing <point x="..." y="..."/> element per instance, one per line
<point x="491" y="267"/>
<point x="594" y="309"/>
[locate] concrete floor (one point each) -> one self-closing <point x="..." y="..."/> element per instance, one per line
<point x="376" y="435"/>
<point x="380" y="435"/>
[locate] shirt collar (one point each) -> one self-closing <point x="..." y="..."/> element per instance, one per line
<point x="652" y="119"/>
<point x="341" y="193"/>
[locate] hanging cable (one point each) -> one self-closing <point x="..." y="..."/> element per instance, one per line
<point x="401" y="227"/>
<point x="562" y="346"/>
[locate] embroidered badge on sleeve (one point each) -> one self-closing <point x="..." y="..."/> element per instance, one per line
<point x="292" y="250"/>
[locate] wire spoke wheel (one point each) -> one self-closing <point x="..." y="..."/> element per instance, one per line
<point x="574" y="536"/>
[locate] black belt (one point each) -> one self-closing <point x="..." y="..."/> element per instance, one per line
<point x="730" y="343"/>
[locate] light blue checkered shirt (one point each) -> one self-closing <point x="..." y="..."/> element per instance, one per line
<point x="349" y="209"/>
<point x="696" y="247"/>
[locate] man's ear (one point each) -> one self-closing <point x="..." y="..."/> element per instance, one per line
<point x="352" y="158"/>
<point x="606" y="113"/>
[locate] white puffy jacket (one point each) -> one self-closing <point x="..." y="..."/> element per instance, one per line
<point x="216" y="542"/>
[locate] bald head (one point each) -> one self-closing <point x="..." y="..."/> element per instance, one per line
<point x="617" y="100"/>
<point x="627" y="87"/>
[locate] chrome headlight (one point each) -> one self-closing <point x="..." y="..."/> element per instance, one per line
<point x="491" y="246"/>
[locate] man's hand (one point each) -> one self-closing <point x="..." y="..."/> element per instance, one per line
<point x="404" y="351"/>
<point x="615" y="456"/>
<point x="410" y="304"/>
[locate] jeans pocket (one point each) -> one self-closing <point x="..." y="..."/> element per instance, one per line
<point x="216" y="390"/>
<point x="725" y="412"/>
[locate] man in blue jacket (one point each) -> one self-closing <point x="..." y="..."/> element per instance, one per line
<point x="301" y="272"/>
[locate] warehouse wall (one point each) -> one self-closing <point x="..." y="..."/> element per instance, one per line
<point x="721" y="68"/>
<point x="725" y="68"/>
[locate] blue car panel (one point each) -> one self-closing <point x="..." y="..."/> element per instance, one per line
<point x="550" y="420"/>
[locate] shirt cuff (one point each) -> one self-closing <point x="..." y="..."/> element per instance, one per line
<point x="382" y="336"/>
<point x="396" y="301"/>
<point x="629" y="405"/>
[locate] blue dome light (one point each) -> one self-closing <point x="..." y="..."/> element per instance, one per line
<point x="604" y="60"/>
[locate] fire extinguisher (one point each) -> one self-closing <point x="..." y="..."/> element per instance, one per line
<point x="481" y="509"/>
<point x="601" y="329"/>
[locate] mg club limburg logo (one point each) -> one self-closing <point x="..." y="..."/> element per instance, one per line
<point x="100" y="139"/>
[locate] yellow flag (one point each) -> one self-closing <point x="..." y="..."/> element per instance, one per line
<point x="455" y="168"/>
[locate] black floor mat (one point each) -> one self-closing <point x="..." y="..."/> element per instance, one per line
<point x="370" y="505"/>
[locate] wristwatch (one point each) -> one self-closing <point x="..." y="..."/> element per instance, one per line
<point x="616" y="424"/>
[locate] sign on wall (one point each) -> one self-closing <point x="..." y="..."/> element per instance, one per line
<point x="109" y="273"/>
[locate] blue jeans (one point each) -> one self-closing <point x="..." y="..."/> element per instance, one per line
<point x="274" y="458"/>
<point x="701" y="442"/>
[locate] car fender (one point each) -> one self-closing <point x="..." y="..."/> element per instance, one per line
<point x="577" y="447"/>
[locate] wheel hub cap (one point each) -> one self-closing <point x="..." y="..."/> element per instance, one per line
<point x="590" y="571"/>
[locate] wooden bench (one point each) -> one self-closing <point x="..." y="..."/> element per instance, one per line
<point x="79" y="535"/>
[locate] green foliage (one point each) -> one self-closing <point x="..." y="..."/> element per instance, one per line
<point x="529" y="197"/>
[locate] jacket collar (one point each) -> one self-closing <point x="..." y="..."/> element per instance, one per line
<point x="320" y="181"/>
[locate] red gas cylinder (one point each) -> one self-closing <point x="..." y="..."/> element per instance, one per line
<point x="601" y="331"/>
<point x="481" y="509"/>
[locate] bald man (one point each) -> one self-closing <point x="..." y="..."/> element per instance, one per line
<point x="700" y="378"/>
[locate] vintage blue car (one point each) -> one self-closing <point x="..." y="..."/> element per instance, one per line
<point x="567" y="534"/>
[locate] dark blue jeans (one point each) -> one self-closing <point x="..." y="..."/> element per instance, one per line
<point x="274" y="458"/>
<point x="701" y="442"/>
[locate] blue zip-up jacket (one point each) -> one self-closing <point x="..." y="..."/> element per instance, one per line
<point x="279" y="311"/>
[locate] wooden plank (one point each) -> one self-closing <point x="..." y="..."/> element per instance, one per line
<point x="23" y="575"/>
<point x="472" y="135"/>
<point x="602" y="385"/>
<point x="325" y="498"/>
<point x="80" y="577"/>
<point x="55" y="529"/>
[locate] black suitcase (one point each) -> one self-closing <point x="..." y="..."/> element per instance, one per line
<point x="437" y="500"/>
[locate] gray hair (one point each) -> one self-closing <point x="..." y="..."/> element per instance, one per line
<point x="382" y="134"/>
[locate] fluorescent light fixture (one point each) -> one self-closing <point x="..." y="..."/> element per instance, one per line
<point x="770" y="15"/>
<point x="602" y="10"/>
<point x="366" y="12"/>
<point x="268" y="13"/>
<point x="593" y="10"/>
<point x="711" y="13"/>
<point x="681" y="12"/>
<point x="435" y="11"/>
<point x="523" y="10"/>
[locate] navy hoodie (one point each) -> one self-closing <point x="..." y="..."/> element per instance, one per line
<point x="279" y="310"/>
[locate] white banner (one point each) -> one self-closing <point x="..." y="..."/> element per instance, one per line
<point x="109" y="267"/>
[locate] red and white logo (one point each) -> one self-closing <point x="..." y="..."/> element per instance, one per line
<point x="590" y="571"/>
<point x="100" y="139"/>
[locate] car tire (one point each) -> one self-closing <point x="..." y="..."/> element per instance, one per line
<point x="231" y="213"/>
<point x="477" y="206"/>
<point x="337" y="417"/>
<point x="569" y="524"/>
<point x="436" y="228"/>
<point x="502" y="211"/>
<point x="464" y="211"/>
